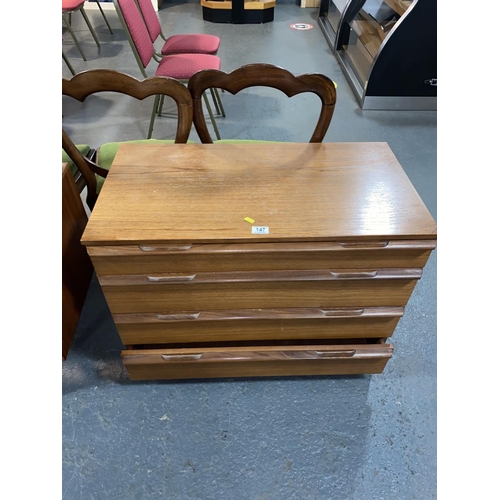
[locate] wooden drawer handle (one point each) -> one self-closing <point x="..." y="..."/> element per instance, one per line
<point x="175" y="357"/>
<point x="336" y="354"/>
<point x="172" y="277"/>
<point x="172" y="248"/>
<point x="340" y="312"/>
<point x="354" y="275"/>
<point x="178" y="316"/>
<point x="356" y="244"/>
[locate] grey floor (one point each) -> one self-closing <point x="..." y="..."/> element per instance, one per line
<point x="315" y="438"/>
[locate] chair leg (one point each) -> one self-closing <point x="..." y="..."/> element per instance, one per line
<point x="160" y="107"/>
<point x="105" y="18"/>
<point x="217" y="110"/>
<point x="74" y="37"/>
<point x="217" y="95"/>
<point x="82" y="10"/>
<point x="212" y="119"/>
<point x="153" y="116"/>
<point x="68" y="64"/>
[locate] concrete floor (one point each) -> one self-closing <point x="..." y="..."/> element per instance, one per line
<point x="357" y="437"/>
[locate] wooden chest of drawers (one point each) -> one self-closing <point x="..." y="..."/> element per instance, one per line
<point x="243" y="260"/>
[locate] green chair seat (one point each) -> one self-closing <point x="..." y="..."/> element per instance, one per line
<point x="83" y="148"/>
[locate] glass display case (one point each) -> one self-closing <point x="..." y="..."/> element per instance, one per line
<point x="387" y="49"/>
<point x="330" y="13"/>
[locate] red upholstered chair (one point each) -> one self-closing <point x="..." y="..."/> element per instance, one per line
<point x="176" y="44"/>
<point x="70" y="6"/>
<point x="192" y="43"/>
<point x="179" y="66"/>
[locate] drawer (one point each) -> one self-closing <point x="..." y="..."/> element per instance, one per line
<point x="257" y="324"/>
<point x="316" y="359"/>
<point x="138" y="259"/>
<point x="259" y="290"/>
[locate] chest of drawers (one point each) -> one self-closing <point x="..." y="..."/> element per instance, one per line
<point x="241" y="260"/>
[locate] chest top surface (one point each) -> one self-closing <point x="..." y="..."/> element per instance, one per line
<point x="161" y="193"/>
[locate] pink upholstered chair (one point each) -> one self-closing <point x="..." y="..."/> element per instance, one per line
<point x="70" y="6"/>
<point x="192" y="43"/>
<point x="179" y="66"/>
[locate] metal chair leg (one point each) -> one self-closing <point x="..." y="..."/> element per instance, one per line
<point x="207" y="103"/>
<point x="74" y="37"/>
<point x="153" y="116"/>
<point x="105" y="18"/>
<point x="217" y="110"/>
<point x="68" y="64"/>
<point x="82" y="10"/>
<point x="217" y="95"/>
<point x="160" y="108"/>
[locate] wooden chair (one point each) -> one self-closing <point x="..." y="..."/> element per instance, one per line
<point x="264" y="75"/>
<point x="102" y="80"/>
<point x="178" y="66"/>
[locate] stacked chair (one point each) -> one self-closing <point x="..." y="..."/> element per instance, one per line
<point x="71" y="6"/>
<point x="176" y="44"/>
<point x="171" y="63"/>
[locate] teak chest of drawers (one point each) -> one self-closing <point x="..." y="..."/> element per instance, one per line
<point x="242" y="260"/>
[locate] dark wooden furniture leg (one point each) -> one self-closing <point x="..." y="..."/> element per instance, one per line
<point x="77" y="268"/>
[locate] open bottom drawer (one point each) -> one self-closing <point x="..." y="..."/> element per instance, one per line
<point x="256" y="361"/>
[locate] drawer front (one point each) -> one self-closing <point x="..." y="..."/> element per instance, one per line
<point x="256" y="361"/>
<point x="126" y="294"/>
<point x="257" y="324"/>
<point x="135" y="259"/>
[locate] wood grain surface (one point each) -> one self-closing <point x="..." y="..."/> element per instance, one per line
<point x="253" y="361"/>
<point x="258" y="295"/>
<point x="137" y="259"/>
<point x="192" y="193"/>
<point x="189" y="279"/>
<point x="319" y="295"/>
<point x="257" y="324"/>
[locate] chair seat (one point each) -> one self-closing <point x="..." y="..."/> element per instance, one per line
<point x="184" y="66"/>
<point x="191" y="44"/>
<point x="69" y="5"/>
